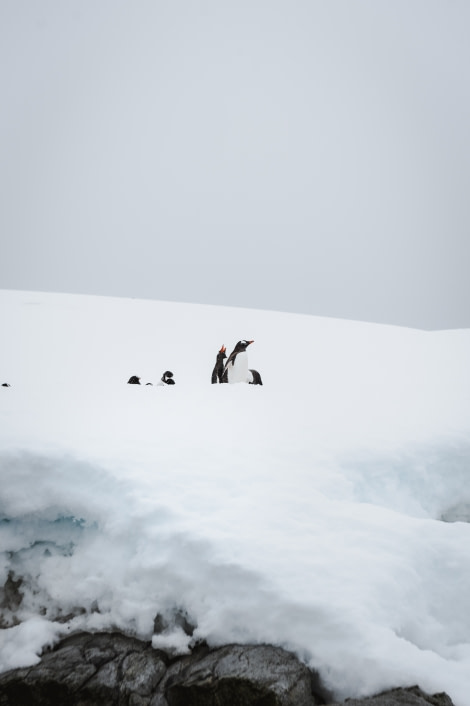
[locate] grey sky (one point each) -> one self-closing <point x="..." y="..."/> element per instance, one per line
<point x="292" y="155"/>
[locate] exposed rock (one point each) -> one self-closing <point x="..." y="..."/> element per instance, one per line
<point x="87" y="670"/>
<point x="241" y="674"/>
<point x="10" y="600"/>
<point x="177" y="618"/>
<point x="109" y="669"/>
<point x="457" y="513"/>
<point x="10" y="594"/>
<point x="413" y="696"/>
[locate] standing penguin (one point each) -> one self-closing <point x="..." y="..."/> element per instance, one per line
<point x="236" y="368"/>
<point x="218" y="372"/>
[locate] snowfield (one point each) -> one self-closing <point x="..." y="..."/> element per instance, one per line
<point x="326" y="511"/>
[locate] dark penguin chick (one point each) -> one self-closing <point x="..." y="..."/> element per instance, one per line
<point x="236" y="367"/>
<point x="5" y="384"/>
<point x="167" y="378"/>
<point x="218" y="372"/>
<point x="133" y="380"/>
<point x="256" y="378"/>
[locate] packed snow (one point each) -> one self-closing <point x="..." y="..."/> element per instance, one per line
<point x="326" y="511"/>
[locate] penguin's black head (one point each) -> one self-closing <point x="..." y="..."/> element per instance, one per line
<point x="167" y="374"/>
<point x="134" y="380"/>
<point x="242" y="345"/>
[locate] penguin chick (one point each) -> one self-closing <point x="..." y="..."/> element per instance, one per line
<point x="218" y="372"/>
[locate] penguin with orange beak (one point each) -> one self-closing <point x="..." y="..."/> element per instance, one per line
<point x="236" y="368"/>
<point x="217" y="373"/>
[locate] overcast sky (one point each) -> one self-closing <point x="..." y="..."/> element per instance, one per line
<point x="293" y="155"/>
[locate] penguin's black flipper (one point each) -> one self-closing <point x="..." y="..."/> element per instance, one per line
<point x="256" y="378"/>
<point x="230" y="360"/>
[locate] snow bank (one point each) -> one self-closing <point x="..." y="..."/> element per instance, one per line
<point x="306" y="512"/>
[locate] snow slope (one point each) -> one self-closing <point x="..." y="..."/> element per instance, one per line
<point x="307" y="512"/>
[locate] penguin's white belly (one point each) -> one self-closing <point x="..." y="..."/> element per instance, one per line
<point x="238" y="372"/>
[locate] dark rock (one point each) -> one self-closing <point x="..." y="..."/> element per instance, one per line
<point x="412" y="696"/>
<point x="10" y="594"/>
<point x="457" y="513"/>
<point x="105" y="669"/>
<point x="110" y="669"/>
<point x="177" y="618"/>
<point x="236" y="675"/>
<point x="10" y="600"/>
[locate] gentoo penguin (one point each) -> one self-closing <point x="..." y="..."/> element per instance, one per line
<point x="167" y="378"/>
<point x="5" y="384"/>
<point x="236" y="368"/>
<point x="133" y="380"/>
<point x="217" y="373"/>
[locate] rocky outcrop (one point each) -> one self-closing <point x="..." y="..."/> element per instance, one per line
<point x="110" y="669"/>
<point x="413" y="696"/>
<point x="257" y="674"/>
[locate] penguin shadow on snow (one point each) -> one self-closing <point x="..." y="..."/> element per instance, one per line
<point x="236" y="368"/>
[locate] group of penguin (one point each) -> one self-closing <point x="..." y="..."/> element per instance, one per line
<point x="166" y="379"/>
<point x="235" y="369"/>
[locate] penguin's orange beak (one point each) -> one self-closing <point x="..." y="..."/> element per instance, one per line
<point x="223" y="349"/>
<point x="250" y="342"/>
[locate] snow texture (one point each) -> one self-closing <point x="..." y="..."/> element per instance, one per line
<point x="326" y="511"/>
